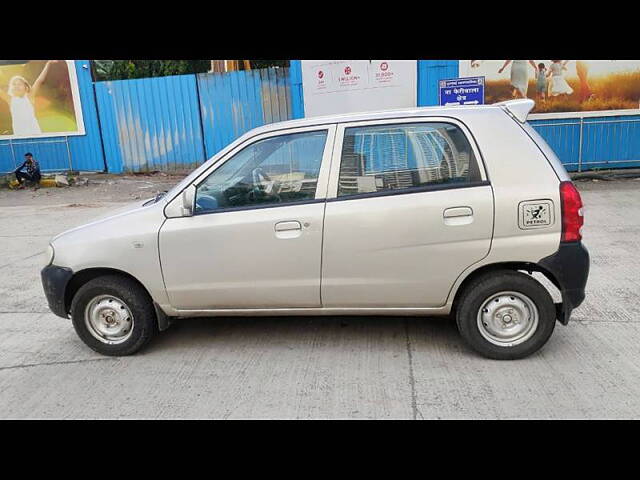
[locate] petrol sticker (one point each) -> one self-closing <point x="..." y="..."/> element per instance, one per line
<point x="535" y="214"/>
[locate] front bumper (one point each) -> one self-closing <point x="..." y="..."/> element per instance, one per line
<point x="54" y="283"/>
<point x="570" y="268"/>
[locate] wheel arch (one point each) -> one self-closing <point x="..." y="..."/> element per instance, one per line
<point x="492" y="267"/>
<point x="83" y="276"/>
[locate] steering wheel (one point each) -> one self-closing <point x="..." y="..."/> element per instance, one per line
<point x="259" y="179"/>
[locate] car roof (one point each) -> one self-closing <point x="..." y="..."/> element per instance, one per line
<point x="376" y="115"/>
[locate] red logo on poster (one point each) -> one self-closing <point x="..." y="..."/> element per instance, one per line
<point x="320" y="74"/>
<point x="347" y="70"/>
<point x="384" y="66"/>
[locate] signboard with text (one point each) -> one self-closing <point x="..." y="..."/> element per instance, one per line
<point x="462" y="91"/>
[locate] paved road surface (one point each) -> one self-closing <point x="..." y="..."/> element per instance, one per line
<point x="319" y="367"/>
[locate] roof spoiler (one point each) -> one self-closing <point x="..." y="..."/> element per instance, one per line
<point x="519" y="109"/>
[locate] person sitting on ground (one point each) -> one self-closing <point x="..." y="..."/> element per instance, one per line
<point x="33" y="171"/>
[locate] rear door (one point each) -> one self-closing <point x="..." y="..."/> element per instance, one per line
<point x="409" y="208"/>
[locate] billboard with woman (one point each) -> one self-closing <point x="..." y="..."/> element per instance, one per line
<point x="39" y="98"/>
<point x="560" y="86"/>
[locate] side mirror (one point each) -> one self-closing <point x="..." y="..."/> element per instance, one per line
<point x="188" y="201"/>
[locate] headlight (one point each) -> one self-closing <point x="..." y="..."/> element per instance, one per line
<point x="48" y="255"/>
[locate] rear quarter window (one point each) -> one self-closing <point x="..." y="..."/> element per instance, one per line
<point x="381" y="158"/>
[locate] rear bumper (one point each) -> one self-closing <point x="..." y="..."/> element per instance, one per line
<point x="570" y="268"/>
<point x="54" y="283"/>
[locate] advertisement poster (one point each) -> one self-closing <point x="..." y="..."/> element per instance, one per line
<point x="39" y="98"/>
<point x="345" y="86"/>
<point x="561" y="86"/>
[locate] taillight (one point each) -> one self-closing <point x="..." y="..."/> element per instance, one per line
<point x="572" y="219"/>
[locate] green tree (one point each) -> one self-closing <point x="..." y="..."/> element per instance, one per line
<point x="269" y="63"/>
<point x="126" y="69"/>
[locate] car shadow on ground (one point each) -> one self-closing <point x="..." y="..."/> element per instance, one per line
<point x="431" y="336"/>
<point x="420" y="335"/>
<point x="309" y="331"/>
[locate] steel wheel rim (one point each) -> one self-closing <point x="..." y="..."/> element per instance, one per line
<point x="108" y="319"/>
<point x="508" y="318"/>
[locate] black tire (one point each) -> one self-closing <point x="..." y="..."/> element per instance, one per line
<point x="136" y="299"/>
<point x="481" y="289"/>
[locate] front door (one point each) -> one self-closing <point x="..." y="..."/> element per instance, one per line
<point x="255" y="238"/>
<point x="409" y="209"/>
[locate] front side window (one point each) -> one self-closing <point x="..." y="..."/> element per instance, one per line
<point x="401" y="156"/>
<point x="280" y="169"/>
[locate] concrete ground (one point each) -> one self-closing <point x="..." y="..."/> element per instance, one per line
<point x="300" y="367"/>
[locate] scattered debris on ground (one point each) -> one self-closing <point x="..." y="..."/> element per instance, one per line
<point x="62" y="181"/>
<point x="606" y="175"/>
<point x="81" y="187"/>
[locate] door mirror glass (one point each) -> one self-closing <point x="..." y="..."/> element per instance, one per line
<point x="188" y="200"/>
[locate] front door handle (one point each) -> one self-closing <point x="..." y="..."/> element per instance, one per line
<point x="288" y="229"/>
<point x="288" y="226"/>
<point x="458" y="212"/>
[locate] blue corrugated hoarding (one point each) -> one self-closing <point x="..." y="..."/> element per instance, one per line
<point x="430" y="72"/>
<point x="233" y="103"/>
<point x="175" y="123"/>
<point x="297" y="102"/>
<point x="151" y="124"/>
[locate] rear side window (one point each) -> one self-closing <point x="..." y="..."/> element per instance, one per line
<point x="401" y="156"/>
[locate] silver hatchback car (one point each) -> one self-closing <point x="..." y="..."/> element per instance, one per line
<point x="428" y="211"/>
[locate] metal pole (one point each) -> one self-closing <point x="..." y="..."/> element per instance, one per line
<point x="580" y="146"/>
<point x="204" y="143"/>
<point x="95" y="101"/>
<point x="13" y="154"/>
<point x="68" y="153"/>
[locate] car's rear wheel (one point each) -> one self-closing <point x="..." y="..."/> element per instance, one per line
<point x="113" y="315"/>
<point x="505" y="315"/>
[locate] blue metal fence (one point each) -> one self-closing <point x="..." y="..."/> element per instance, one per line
<point x="82" y="152"/>
<point x="593" y="142"/>
<point x="53" y="154"/>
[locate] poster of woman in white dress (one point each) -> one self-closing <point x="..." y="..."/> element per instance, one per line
<point x="39" y="98"/>
<point x="561" y="85"/>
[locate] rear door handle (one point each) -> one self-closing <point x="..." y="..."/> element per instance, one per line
<point x="458" y="212"/>
<point x="288" y="226"/>
<point x="457" y="216"/>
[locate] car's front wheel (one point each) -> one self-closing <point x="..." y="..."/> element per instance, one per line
<point x="505" y="315"/>
<point x="113" y="315"/>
